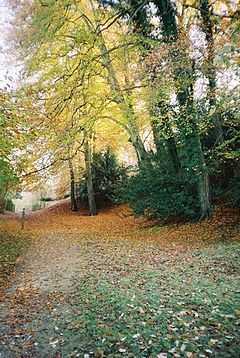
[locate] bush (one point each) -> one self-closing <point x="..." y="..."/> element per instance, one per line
<point x="108" y="178"/>
<point x="155" y="192"/>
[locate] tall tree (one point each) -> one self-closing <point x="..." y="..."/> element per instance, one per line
<point x="183" y="77"/>
<point x="88" y="166"/>
<point x="123" y="100"/>
<point x="74" y="206"/>
<point x="208" y="29"/>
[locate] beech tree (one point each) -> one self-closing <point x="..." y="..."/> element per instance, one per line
<point x="129" y="68"/>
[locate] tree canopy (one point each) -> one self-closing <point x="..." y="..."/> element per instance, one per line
<point x="156" y="81"/>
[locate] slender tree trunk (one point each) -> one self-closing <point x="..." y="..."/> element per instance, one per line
<point x="204" y="195"/>
<point x="88" y="164"/>
<point x="74" y="206"/>
<point x="2" y="205"/>
<point x="3" y="195"/>
<point x="136" y="140"/>
<point x="196" y="156"/>
<point x="203" y="182"/>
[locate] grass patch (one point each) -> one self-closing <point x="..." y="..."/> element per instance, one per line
<point x="189" y="309"/>
<point x="12" y="246"/>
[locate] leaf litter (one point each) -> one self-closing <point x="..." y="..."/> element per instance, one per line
<point x="116" y="286"/>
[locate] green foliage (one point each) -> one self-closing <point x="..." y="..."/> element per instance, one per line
<point x="156" y="192"/>
<point x="8" y="181"/>
<point x="108" y="178"/>
<point x="7" y="174"/>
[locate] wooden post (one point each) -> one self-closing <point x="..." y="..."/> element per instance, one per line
<point x="23" y="219"/>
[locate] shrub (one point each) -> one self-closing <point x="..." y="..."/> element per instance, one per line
<point x="108" y="178"/>
<point x="155" y="192"/>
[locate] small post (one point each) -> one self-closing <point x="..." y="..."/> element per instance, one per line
<point x="23" y="219"/>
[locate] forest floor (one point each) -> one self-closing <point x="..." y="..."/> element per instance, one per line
<point x="116" y="286"/>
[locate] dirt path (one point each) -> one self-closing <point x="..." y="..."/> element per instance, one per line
<point x="63" y="251"/>
<point x="48" y="268"/>
<point x="52" y="263"/>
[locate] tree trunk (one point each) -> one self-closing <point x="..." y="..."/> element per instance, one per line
<point x="203" y="190"/>
<point x="207" y="27"/>
<point x="2" y="205"/>
<point x="136" y="140"/>
<point x="158" y="141"/>
<point x="203" y="183"/>
<point x="185" y="100"/>
<point x="167" y="13"/>
<point x="88" y="165"/>
<point x="196" y="156"/>
<point x="74" y="206"/>
<point x="3" y="194"/>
